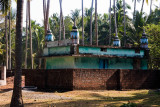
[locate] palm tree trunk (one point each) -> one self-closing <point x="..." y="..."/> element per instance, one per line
<point x="26" y="35"/>
<point x="30" y="33"/>
<point x="151" y="7"/>
<point x="17" y="100"/>
<point x="60" y="20"/>
<point x="47" y="14"/>
<point x="96" y="24"/>
<point x="44" y="13"/>
<point x="124" y="7"/>
<point x="91" y="23"/>
<point x="115" y="21"/>
<point x="63" y="26"/>
<point x="134" y="12"/>
<point x="63" y="29"/>
<point x="9" y="66"/>
<point x="82" y="25"/>
<point x="6" y="35"/>
<point x="142" y="6"/>
<point x="110" y="26"/>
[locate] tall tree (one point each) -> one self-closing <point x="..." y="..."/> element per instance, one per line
<point x="134" y="11"/>
<point x="26" y="35"/>
<point x="115" y="21"/>
<point x="91" y="23"/>
<point x="82" y="25"/>
<point x="30" y="33"/>
<point x="110" y="22"/>
<point x="151" y="6"/>
<point x="75" y="15"/>
<point x="151" y="2"/>
<point x="6" y="35"/>
<point x="96" y="24"/>
<point x="17" y="100"/>
<point x="9" y="64"/>
<point x="63" y="26"/>
<point x="46" y="18"/>
<point x="124" y="8"/>
<point x="60" y="22"/>
<point x="4" y="7"/>
<point x="46" y="14"/>
<point x="143" y="5"/>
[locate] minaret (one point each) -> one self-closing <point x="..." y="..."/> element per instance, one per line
<point x="144" y="40"/>
<point x="49" y="36"/>
<point x="116" y="41"/>
<point x="75" y="34"/>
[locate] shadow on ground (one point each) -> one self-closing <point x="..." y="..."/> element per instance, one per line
<point x="5" y="90"/>
<point x="152" y="98"/>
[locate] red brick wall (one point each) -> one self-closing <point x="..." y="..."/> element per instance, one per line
<point x="60" y="79"/>
<point x="95" y="79"/>
<point x="89" y="79"/>
<point x="51" y="79"/>
<point x="138" y="79"/>
<point x="35" y="78"/>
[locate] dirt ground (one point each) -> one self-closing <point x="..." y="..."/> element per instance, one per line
<point x="81" y="98"/>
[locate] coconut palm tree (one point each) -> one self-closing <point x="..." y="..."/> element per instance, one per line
<point x="91" y="23"/>
<point x="6" y="35"/>
<point x="30" y="33"/>
<point x="46" y="14"/>
<point x="17" y="100"/>
<point x="151" y="6"/>
<point x="143" y="5"/>
<point x="115" y="22"/>
<point x="82" y="25"/>
<point x="63" y="26"/>
<point x="96" y="25"/>
<point x="4" y="7"/>
<point x="26" y="35"/>
<point x="75" y="15"/>
<point x="134" y="11"/>
<point x="60" y="22"/>
<point x="110" y="26"/>
<point x="9" y="64"/>
<point x="124" y="6"/>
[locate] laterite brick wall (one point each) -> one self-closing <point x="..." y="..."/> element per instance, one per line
<point x="95" y="79"/>
<point x="92" y="79"/>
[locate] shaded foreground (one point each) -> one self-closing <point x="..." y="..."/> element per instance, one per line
<point x="84" y="98"/>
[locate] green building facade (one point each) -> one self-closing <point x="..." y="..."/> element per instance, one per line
<point x="92" y="57"/>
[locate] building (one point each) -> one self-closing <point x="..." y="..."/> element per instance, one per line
<point x="69" y="54"/>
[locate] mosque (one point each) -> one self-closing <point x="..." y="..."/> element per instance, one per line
<point x="69" y="54"/>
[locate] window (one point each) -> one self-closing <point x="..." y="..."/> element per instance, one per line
<point x="104" y="49"/>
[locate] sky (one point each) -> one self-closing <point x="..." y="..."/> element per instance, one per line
<point x="68" y="5"/>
